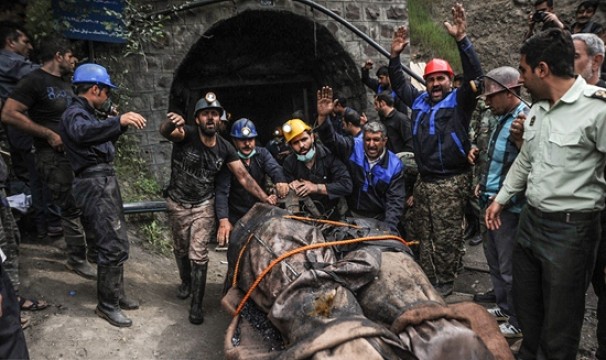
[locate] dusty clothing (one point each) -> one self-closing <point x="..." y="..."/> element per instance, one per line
<point x="232" y="199"/>
<point x="328" y="301"/>
<point x="89" y="144"/>
<point x="440" y="208"/>
<point x="195" y="166"/>
<point x="327" y="169"/>
<point x="192" y="228"/>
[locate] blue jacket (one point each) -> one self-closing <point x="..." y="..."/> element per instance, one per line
<point x="88" y="140"/>
<point x="378" y="192"/>
<point x="440" y="131"/>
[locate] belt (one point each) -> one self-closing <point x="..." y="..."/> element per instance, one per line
<point x="566" y="217"/>
<point x="104" y="169"/>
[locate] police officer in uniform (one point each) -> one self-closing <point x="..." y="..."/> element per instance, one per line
<point x="89" y="144"/>
<point x="561" y="166"/>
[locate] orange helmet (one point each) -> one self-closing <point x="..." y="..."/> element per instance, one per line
<point x="438" y="66"/>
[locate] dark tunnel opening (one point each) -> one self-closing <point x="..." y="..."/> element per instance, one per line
<point x="264" y="65"/>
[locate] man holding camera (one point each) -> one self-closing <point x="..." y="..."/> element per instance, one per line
<point x="543" y="13"/>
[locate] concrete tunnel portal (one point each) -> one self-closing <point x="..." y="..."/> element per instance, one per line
<point x="264" y="65"/>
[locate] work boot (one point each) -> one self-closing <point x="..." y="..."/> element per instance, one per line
<point x="184" y="266"/>
<point x="76" y="262"/>
<point x="108" y="294"/>
<point x="126" y="303"/>
<point x="196" y="313"/>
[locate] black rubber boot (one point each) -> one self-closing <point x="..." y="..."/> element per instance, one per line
<point x="196" y="313"/>
<point x="126" y="303"/>
<point x="76" y="262"/>
<point x="184" y="266"/>
<point x="108" y="294"/>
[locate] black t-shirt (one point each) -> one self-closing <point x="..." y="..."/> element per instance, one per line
<point x="195" y="166"/>
<point x="46" y="97"/>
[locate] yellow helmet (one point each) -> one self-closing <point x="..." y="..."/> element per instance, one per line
<point x="293" y="128"/>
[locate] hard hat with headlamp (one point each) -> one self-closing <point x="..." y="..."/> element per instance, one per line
<point x="243" y="129"/>
<point x="293" y="128"/>
<point x="209" y="101"/>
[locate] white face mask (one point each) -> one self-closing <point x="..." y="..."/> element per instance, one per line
<point x="246" y="157"/>
<point x="307" y="157"/>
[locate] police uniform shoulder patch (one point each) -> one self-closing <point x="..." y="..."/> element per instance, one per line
<point x="599" y="94"/>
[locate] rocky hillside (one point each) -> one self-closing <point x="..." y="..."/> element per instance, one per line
<point x="497" y="27"/>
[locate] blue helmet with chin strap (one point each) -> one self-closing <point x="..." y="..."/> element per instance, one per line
<point x="243" y="129"/>
<point x="92" y="74"/>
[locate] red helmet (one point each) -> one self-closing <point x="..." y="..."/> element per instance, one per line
<point x="438" y="66"/>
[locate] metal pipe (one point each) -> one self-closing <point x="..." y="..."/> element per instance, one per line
<point x="313" y="5"/>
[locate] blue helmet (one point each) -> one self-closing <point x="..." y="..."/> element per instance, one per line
<point x="243" y="129"/>
<point x="92" y="74"/>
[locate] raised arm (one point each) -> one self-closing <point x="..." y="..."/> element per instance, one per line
<point x="337" y="143"/>
<point x="399" y="82"/>
<point x="472" y="69"/>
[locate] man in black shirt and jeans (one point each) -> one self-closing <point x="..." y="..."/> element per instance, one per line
<point x="35" y="107"/>
<point x="198" y="155"/>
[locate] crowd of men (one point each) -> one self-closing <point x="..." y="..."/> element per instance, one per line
<point x="539" y="173"/>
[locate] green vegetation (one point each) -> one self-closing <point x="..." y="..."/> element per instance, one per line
<point x="428" y="34"/>
<point x="136" y="181"/>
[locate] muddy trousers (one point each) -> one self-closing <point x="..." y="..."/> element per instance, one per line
<point x="12" y="340"/>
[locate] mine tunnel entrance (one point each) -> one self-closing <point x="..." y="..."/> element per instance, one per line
<point x="264" y="65"/>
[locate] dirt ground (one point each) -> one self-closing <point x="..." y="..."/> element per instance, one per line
<point x="69" y="328"/>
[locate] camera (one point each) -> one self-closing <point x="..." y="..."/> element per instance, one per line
<point x="539" y="16"/>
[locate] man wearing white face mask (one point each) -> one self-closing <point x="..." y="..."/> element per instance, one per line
<point x="312" y="170"/>
<point x="232" y="200"/>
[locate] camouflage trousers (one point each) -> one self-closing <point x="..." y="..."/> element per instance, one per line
<point x="193" y="226"/>
<point x="56" y="172"/>
<point x="9" y="243"/>
<point x="439" y="210"/>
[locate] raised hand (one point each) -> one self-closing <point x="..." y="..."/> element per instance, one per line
<point x="458" y="27"/>
<point x="400" y="41"/>
<point x="326" y="104"/>
<point x="133" y="119"/>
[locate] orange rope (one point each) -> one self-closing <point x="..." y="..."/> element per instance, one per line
<point x="305" y="248"/>
<point x="329" y="222"/>
<point x="237" y="268"/>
